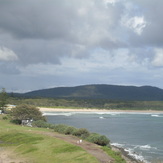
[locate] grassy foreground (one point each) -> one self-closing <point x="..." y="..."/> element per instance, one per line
<point x="30" y="145"/>
<point x="22" y="143"/>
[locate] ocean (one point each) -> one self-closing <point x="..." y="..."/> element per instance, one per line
<point x="140" y="134"/>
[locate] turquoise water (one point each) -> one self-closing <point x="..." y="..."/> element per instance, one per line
<point x="139" y="134"/>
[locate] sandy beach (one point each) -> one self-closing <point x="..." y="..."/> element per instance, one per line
<point x="43" y="109"/>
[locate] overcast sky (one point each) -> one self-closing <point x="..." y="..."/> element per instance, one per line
<point x="53" y="43"/>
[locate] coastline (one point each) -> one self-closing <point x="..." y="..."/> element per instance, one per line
<point x="125" y="154"/>
<point x="43" y="109"/>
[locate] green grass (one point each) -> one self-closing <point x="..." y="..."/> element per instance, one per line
<point x="14" y="138"/>
<point x="116" y="155"/>
<point x="37" y="148"/>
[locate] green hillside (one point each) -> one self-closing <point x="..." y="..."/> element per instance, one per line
<point x="112" y="92"/>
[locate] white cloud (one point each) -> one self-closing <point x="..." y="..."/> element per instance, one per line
<point x="136" y="23"/>
<point x="158" y="58"/>
<point x="7" y="54"/>
<point x="110" y="1"/>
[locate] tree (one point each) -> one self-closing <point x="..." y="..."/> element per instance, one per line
<point x="3" y="99"/>
<point x="26" y="112"/>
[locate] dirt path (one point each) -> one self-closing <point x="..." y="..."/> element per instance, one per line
<point x="91" y="148"/>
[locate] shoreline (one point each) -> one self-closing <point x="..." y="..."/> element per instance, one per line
<point x="44" y="109"/>
<point x="128" y="158"/>
<point x="125" y="154"/>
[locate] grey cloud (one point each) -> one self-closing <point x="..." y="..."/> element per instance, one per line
<point x="35" y="19"/>
<point x="55" y="19"/>
<point x="59" y="34"/>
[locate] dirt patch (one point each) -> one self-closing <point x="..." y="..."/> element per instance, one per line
<point x="8" y="156"/>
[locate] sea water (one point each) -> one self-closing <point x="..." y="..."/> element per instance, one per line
<point x="140" y="134"/>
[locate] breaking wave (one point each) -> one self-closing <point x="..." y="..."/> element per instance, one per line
<point x="156" y="115"/>
<point x="56" y="113"/>
<point x="145" y="147"/>
<point x="131" y="150"/>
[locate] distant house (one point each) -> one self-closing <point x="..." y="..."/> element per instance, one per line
<point x="0" y="111"/>
<point x="27" y="122"/>
<point x="9" y="106"/>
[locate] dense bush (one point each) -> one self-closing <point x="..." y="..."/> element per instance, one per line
<point x="60" y="128"/>
<point x="98" y="139"/>
<point x="82" y="132"/>
<point x="5" y="118"/>
<point x="70" y="130"/>
<point x="16" y="121"/>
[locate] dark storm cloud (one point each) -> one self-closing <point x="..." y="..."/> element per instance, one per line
<point x="64" y="25"/>
<point x="37" y="19"/>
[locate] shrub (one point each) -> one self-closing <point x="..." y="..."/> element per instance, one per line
<point x="5" y="118"/>
<point x="82" y="132"/>
<point x="51" y="126"/>
<point x="60" y="128"/>
<point x="70" y="130"/>
<point x="41" y="123"/>
<point x="98" y="139"/>
<point x="16" y="121"/>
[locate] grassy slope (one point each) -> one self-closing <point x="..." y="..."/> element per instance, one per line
<point x="116" y="155"/>
<point x="38" y="148"/>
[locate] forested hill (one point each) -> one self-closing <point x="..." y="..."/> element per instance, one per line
<point x="112" y="92"/>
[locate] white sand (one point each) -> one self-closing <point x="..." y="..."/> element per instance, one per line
<point x="42" y="109"/>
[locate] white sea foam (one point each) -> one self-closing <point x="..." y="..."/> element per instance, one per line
<point x="119" y="113"/>
<point x="156" y="115"/>
<point x="101" y="117"/>
<point x="135" y="155"/>
<point x="55" y="113"/>
<point x="100" y="113"/>
<point x="131" y="152"/>
<point x="108" y="113"/>
<point x="145" y="147"/>
<point x="117" y="145"/>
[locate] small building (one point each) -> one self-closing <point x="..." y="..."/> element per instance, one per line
<point x="27" y="122"/>
<point x="9" y="106"/>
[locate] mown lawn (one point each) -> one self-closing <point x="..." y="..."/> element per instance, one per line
<point x="37" y="148"/>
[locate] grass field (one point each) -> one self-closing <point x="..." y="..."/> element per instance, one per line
<point x="38" y="145"/>
<point x="21" y="142"/>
